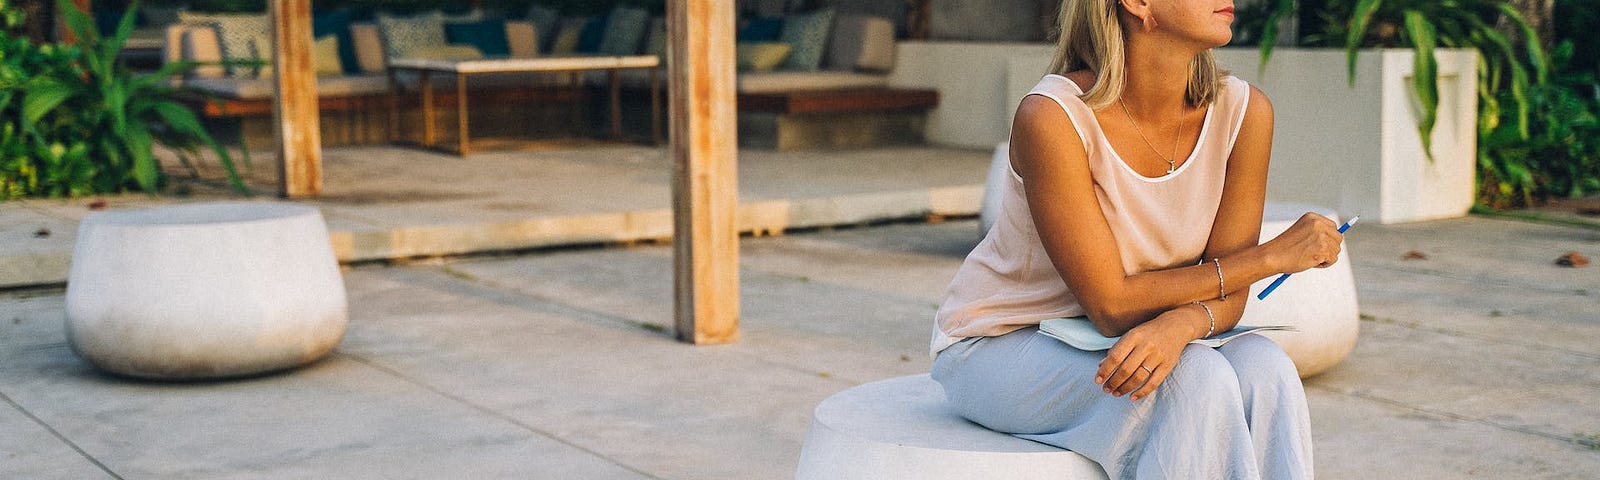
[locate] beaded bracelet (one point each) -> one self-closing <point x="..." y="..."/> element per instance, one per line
<point x="1222" y="290"/>
<point x="1209" y="316"/>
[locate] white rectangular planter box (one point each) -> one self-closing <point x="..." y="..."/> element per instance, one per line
<point x="1351" y="148"/>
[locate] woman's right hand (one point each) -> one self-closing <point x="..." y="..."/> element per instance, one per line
<point x="1313" y="241"/>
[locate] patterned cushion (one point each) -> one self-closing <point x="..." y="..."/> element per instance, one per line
<point x="236" y="34"/>
<point x="624" y="30"/>
<point x="761" y="57"/>
<point x="489" y="36"/>
<point x="808" y="34"/>
<point x="404" y="35"/>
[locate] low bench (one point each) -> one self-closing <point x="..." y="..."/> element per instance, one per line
<point x="844" y="118"/>
<point x="902" y="428"/>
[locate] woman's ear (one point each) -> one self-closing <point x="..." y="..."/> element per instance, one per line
<point x="1141" y="12"/>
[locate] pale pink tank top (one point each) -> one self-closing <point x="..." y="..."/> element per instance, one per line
<point x="1008" y="281"/>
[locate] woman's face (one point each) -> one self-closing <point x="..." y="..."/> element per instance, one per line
<point x="1207" y="22"/>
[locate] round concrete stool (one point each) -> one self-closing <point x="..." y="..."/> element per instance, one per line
<point x="1320" y="303"/>
<point x="901" y="428"/>
<point x="204" y="291"/>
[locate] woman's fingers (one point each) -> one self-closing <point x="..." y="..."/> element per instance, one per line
<point x="1138" y="375"/>
<point x="1157" y="376"/>
<point x="1114" y="358"/>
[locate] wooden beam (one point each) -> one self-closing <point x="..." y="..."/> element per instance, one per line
<point x="705" y="190"/>
<point x="294" y="111"/>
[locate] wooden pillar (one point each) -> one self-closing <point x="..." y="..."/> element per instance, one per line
<point x="294" y="105"/>
<point x="705" y="191"/>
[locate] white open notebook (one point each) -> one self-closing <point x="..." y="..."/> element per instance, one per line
<point x="1080" y="334"/>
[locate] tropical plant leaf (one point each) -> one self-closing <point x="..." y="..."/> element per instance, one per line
<point x="40" y="97"/>
<point x="1269" y="32"/>
<point x="1358" y="30"/>
<point x="146" y="173"/>
<point x="1425" y="76"/>
<point x="1536" y="54"/>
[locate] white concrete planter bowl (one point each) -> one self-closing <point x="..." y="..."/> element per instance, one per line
<point x="204" y="291"/>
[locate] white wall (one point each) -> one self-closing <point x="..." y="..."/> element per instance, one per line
<point x="1350" y="147"/>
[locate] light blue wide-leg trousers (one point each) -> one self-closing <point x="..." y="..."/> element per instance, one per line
<point x="1235" y="412"/>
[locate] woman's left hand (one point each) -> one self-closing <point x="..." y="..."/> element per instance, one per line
<point x="1141" y="360"/>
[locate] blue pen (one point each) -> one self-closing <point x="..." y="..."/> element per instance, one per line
<point x="1281" y="278"/>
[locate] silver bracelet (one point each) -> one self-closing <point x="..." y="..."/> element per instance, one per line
<point x="1209" y="316"/>
<point x="1222" y="290"/>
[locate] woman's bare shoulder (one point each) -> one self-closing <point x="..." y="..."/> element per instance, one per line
<point x="1085" y="79"/>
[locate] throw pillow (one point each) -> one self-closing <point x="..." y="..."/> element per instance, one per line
<point x="489" y="36"/>
<point x="761" y="57"/>
<point x="761" y="30"/>
<point x="545" y="22"/>
<point x="566" y="40"/>
<point x="593" y="33"/>
<point x="337" y="23"/>
<point x="808" y="35"/>
<point x="624" y="29"/>
<point x="404" y="35"/>
<point x="236" y="35"/>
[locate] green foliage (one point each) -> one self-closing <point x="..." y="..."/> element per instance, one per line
<point x="1560" y="154"/>
<point x="75" y="121"/>
<point x="1425" y="25"/>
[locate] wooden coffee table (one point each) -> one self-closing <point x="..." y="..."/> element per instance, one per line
<point x="465" y="68"/>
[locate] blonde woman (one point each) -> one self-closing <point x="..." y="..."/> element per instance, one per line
<point x="1139" y="181"/>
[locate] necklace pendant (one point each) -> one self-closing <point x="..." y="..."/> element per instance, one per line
<point x="1171" y="167"/>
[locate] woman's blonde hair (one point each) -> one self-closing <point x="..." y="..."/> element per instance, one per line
<point x="1091" y="38"/>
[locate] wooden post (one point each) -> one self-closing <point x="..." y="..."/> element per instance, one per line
<point x="294" y="105"/>
<point x="705" y="190"/>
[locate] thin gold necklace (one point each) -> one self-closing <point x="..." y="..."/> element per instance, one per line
<point x="1172" y="162"/>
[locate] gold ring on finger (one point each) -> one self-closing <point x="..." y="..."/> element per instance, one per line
<point x="1147" y="369"/>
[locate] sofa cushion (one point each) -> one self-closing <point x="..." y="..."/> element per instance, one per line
<point x="625" y="28"/>
<point x="260" y="88"/>
<point x="324" y="56"/>
<point x="236" y="34"/>
<point x="489" y="36"/>
<point x="789" y="81"/>
<point x="761" y="57"/>
<point x="568" y="35"/>
<point x="447" y="52"/>
<point x="761" y="29"/>
<point x="404" y="35"/>
<point x="808" y="35"/>
<point x="200" y="44"/>
<point x="862" y="43"/>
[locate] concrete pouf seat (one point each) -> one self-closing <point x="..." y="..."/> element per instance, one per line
<point x="1319" y="303"/>
<point x="204" y="291"/>
<point x="902" y="428"/>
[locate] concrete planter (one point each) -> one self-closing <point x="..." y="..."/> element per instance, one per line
<point x="1352" y="148"/>
<point x="204" y="291"/>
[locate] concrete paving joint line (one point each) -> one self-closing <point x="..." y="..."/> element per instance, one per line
<point x="57" y="434"/>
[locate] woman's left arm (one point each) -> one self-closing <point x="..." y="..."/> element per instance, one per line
<point x="1237" y="227"/>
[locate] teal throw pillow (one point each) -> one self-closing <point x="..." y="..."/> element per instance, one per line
<point x="488" y="35"/>
<point x="337" y="24"/>
<point x="807" y="34"/>
<point x="545" y="22"/>
<point x="624" y="30"/>
<point x="593" y="33"/>
<point x="761" y="30"/>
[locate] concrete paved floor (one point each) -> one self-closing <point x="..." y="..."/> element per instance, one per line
<point x="1478" y="362"/>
